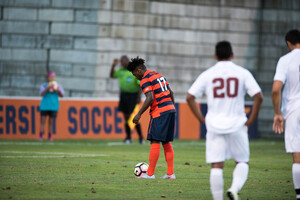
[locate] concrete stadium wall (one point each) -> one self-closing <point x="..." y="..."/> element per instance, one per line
<point x="277" y="18"/>
<point x="78" y="39"/>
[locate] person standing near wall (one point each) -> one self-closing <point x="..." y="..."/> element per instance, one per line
<point x="50" y="91"/>
<point x="288" y="75"/>
<point x="130" y="94"/>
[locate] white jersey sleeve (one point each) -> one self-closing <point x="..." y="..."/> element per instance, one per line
<point x="281" y="71"/>
<point x="251" y="85"/>
<point x="198" y="87"/>
<point x="288" y="72"/>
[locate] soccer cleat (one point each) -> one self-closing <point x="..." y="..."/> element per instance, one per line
<point x="171" y="177"/>
<point x="50" y="138"/>
<point x="127" y="141"/>
<point x="142" y="141"/>
<point x="146" y="176"/>
<point x="41" y="136"/>
<point x="232" y="195"/>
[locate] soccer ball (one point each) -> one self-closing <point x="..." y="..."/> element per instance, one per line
<point x="54" y="86"/>
<point x="140" y="169"/>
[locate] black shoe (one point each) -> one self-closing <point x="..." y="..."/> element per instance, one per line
<point x="142" y="141"/>
<point x="232" y="195"/>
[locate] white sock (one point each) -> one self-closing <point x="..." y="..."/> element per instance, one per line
<point x="216" y="183"/>
<point x="240" y="175"/>
<point x="296" y="178"/>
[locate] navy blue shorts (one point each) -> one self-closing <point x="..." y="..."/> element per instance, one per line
<point x="127" y="102"/>
<point x="162" y="128"/>
<point x="50" y="113"/>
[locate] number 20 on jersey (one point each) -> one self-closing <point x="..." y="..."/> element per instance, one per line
<point x="231" y="88"/>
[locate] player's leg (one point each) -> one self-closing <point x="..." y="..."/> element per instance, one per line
<point x="153" y="156"/>
<point x="216" y="180"/>
<point x="240" y="175"/>
<point x="131" y="105"/>
<point x="239" y="148"/>
<point x="292" y="145"/>
<point x="139" y="131"/>
<point x="296" y="173"/>
<point x="169" y="157"/>
<point x="43" y="122"/>
<point x="124" y="104"/>
<point x="216" y="146"/>
<point x="50" y="127"/>
<point x="154" y="137"/>
<point x="168" y="133"/>
<point x="127" y="128"/>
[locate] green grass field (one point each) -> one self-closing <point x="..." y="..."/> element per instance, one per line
<point x="103" y="169"/>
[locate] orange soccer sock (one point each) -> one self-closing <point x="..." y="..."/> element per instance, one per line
<point x="153" y="157"/>
<point x="169" y="155"/>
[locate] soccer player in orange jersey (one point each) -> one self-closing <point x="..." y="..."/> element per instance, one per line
<point x="162" y="123"/>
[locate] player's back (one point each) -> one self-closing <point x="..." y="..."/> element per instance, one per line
<point x="288" y="71"/>
<point x="225" y="86"/>
<point x="162" y="102"/>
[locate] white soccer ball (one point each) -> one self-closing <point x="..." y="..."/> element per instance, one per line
<point x="140" y="169"/>
<point x="54" y="86"/>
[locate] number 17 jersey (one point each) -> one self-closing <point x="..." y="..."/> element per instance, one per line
<point x="158" y="85"/>
<point x="225" y="85"/>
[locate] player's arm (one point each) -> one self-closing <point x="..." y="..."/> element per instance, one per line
<point x="171" y="94"/>
<point x="258" y="99"/>
<point x="138" y="100"/>
<point x="147" y="103"/>
<point x="195" y="109"/>
<point x="44" y="90"/>
<point x="114" y="64"/>
<point x="276" y="98"/>
<point x="60" y="91"/>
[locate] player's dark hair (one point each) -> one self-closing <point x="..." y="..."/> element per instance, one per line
<point x="223" y="50"/>
<point x="124" y="57"/>
<point x="136" y="63"/>
<point x="293" y="36"/>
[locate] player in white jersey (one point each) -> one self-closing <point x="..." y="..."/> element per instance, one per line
<point x="225" y="85"/>
<point x="288" y="75"/>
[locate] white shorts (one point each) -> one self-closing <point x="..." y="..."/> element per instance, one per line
<point x="221" y="147"/>
<point x="292" y="132"/>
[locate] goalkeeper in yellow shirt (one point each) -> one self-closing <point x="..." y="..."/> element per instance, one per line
<point x="129" y="94"/>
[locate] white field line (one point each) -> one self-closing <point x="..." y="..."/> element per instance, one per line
<point x="47" y="154"/>
<point x="117" y="144"/>
<point x="63" y="143"/>
<point x="44" y="156"/>
<point x="49" y="143"/>
<point x="183" y="144"/>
